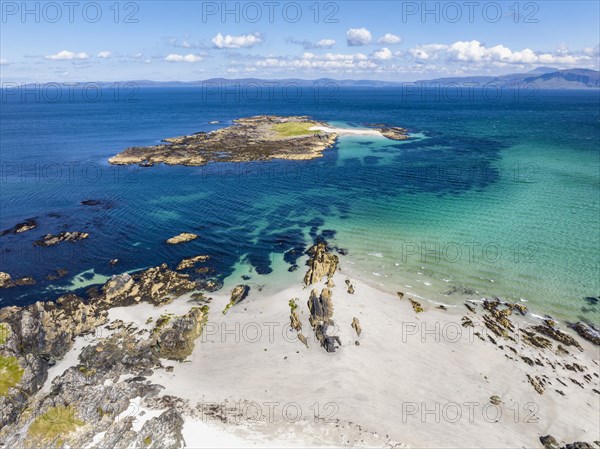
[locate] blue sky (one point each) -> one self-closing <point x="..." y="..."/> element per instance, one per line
<point x="389" y="40"/>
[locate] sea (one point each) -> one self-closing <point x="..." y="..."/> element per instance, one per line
<point x="491" y="196"/>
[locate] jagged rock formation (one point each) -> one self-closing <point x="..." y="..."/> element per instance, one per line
<point x="321" y="313"/>
<point x="85" y="401"/>
<point x="320" y="263"/>
<point x="39" y="334"/>
<point x="259" y="138"/>
<point x="50" y="239"/>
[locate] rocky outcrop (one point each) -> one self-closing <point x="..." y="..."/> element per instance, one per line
<point x="417" y="307"/>
<point x="587" y="331"/>
<point x="321" y="313"/>
<point x="295" y="322"/>
<point x="158" y="285"/>
<point x="239" y="293"/>
<point x="550" y="331"/>
<point x="259" y="138"/>
<point x="350" y="287"/>
<point x="174" y="338"/>
<point x="38" y="335"/>
<point x="50" y="239"/>
<point x="19" y="228"/>
<point x="182" y="238"/>
<point x="6" y="281"/>
<point x="395" y="133"/>
<point x="356" y="326"/>
<point x="320" y="263"/>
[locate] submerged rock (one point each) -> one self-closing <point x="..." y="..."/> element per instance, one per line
<point x="190" y="262"/>
<point x="6" y="281"/>
<point x="57" y="274"/>
<point x="182" y="238"/>
<point x="19" y="228"/>
<point x="50" y="239"/>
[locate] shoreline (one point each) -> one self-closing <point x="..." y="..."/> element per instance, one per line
<point x="385" y="387"/>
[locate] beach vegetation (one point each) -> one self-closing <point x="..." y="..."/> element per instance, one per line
<point x="294" y="129"/>
<point x="10" y="374"/>
<point x="56" y="422"/>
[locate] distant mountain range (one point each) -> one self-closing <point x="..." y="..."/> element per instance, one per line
<point x="542" y="77"/>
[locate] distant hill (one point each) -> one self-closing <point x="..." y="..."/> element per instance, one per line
<point x="542" y="77"/>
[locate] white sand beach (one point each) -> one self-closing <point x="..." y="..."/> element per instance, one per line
<point x="409" y="380"/>
<point x="348" y="131"/>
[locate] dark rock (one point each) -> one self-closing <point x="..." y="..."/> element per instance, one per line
<point x="57" y="274"/>
<point x="19" y="228"/>
<point x="557" y="335"/>
<point x="50" y="240"/>
<point x="587" y="331"/>
<point x="6" y="281"/>
<point x="549" y="442"/>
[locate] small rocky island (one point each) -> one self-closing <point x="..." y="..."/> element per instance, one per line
<point x="259" y="138"/>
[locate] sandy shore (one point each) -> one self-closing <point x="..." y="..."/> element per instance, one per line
<point x="348" y="131"/>
<point x="409" y="380"/>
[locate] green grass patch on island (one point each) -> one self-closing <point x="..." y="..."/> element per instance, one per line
<point x="4" y="333"/>
<point x="10" y="373"/>
<point x="293" y="129"/>
<point x="56" y="422"/>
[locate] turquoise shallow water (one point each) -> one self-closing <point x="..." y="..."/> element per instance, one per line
<point x="486" y="198"/>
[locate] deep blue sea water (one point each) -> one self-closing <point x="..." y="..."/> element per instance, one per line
<point x="486" y="198"/>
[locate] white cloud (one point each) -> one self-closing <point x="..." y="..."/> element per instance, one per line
<point x="390" y="39"/>
<point x="183" y="58"/>
<point x="325" y="43"/>
<point x="383" y="54"/>
<point x="3" y="61"/>
<point x="358" y="36"/>
<point x="474" y="51"/>
<point x="427" y="52"/>
<point x="242" y="41"/>
<point x="328" y="61"/>
<point x="104" y="54"/>
<point x="137" y="55"/>
<point x="308" y="45"/>
<point x="67" y="55"/>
